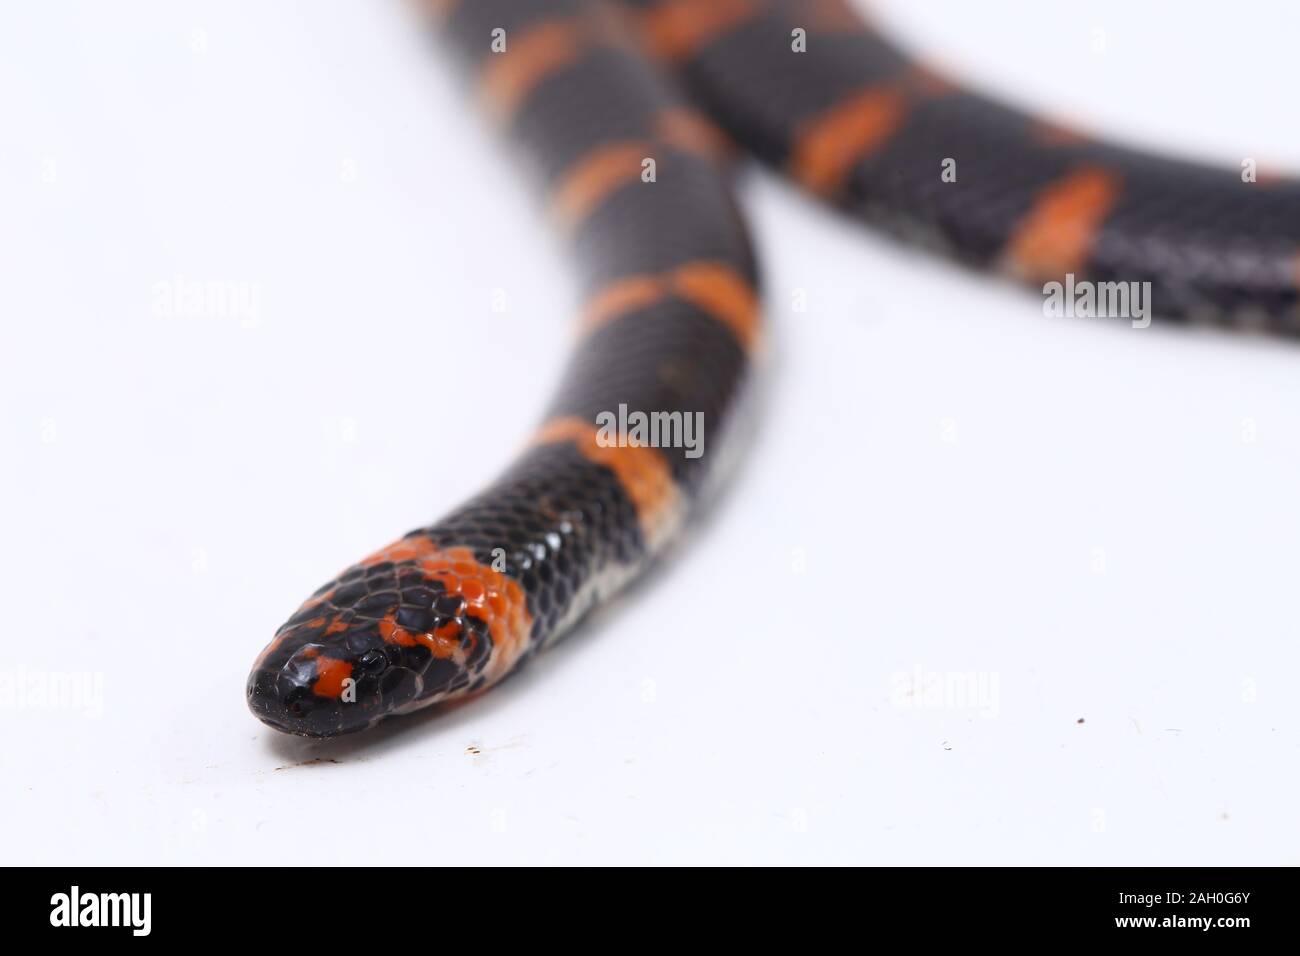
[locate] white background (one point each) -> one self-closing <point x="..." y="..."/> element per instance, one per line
<point x="1101" y="523"/>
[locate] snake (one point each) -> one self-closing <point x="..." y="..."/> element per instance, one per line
<point x="635" y="115"/>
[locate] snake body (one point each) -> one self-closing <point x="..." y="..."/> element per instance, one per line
<point x="633" y="112"/>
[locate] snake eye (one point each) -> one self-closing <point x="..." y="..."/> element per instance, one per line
<point x="372" y="662"/>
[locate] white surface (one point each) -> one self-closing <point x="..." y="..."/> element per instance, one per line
<point x="1103" y="523"/>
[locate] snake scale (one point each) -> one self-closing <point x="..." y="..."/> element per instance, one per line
<point x="634" y="113"/>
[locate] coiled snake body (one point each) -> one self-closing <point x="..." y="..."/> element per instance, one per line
<point x="636" y="175"/>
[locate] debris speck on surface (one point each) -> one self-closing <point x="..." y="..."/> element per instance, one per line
<point x="307" y="763"/>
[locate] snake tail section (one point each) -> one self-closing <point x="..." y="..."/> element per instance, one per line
<point x="816" y="91"/>
<point x="637" y="182"/>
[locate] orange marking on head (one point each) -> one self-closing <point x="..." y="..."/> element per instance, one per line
<point x="676" y="30"/>
<point x="528" y="59"/>
<point x="1057" y="233"/>
<point x="489" y="595"/>
<point x="330" y="675"/>
<point x="642" y="473"/>
<point x="714" y="287"/>
<point x="831" y="143"/>
<point x="394" y="633"/>
<point x="691" y="132"/>
<point x="445" y="640"/>
<point x="595" y="176"/>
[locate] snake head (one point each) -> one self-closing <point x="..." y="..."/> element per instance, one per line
<point x="410" y="626"/>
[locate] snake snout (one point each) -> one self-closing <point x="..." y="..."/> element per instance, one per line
<point x="384" y="637"/>
<point x="298" y="695"/>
